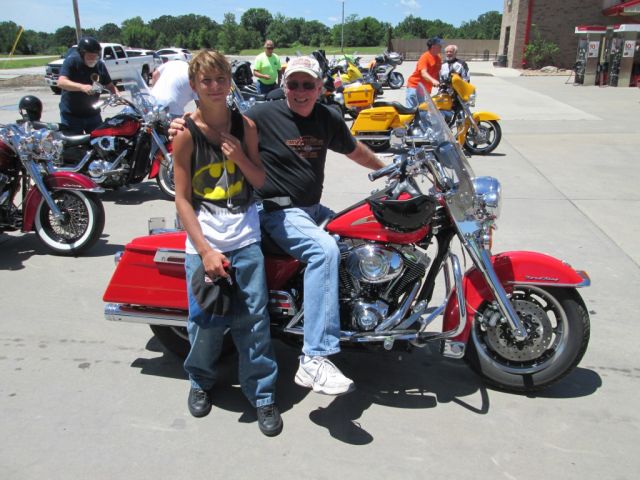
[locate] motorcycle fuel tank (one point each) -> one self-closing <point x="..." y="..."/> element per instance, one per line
<point x="360" y="222"/>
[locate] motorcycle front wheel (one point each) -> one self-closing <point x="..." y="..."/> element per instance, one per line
<point x="176" y="340"/>
<point x="165" y="180"/>
<point x="396" y="80"/>
<point x="80" y="227"/>
<point x="486" y="140"/>
<point x="557" y="325"/>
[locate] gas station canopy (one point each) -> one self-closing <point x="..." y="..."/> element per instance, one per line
<point x="632" y="7"/>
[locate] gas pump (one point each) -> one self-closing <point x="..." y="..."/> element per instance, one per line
<point x="581" y="61"/>
<point x="588" y="53"/>
<point x="614" y="59"/>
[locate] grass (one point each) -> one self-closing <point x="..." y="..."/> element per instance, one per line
<point x="24" y="62"/>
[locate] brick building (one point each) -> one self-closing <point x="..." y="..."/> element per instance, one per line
<point x="556" y="21"/>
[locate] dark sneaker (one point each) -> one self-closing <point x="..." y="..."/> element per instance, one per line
<point x="269" y="420"/>
<point x="199" y="402"/>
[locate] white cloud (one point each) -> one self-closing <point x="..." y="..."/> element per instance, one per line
<point x="410" y="4"/>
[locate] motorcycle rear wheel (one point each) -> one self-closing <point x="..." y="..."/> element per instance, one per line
<point x="165" y="181"/>
<point x="396" y="80"/>
<point x="488" y="139"/>
<point x="176" y="340"/>
<point x="558" y="325"/>
<point x="81" y="227"/>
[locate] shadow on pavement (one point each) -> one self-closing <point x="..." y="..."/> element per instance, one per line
<point x="416" y="379"/>
<point x="15" y="250"/>
<point x="134" y="194"/>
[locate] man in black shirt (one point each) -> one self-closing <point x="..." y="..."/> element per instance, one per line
<point x="77" y="75"/>
<point x="295" y="135"/>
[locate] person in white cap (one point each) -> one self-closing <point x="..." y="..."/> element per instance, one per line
<point x="294" y="136"/>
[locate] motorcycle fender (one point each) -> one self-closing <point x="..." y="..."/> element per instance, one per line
<point x="155" y="164"/>
<point x="485" y="116"/>
<point x="512" y="268"/>
<point x="55" y="181"/>
<point x="158" y="156"/>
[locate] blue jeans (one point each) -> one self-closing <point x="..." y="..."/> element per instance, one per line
<point x="78" y="125"/>
<point x="296" y="231"/>
<point x="248" y="322"/>
<point x="412" y="98"/>
<point x="264" y="89"/>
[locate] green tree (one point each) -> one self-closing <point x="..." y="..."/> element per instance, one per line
<point x="485" y="27"/>
<point x="229" y="35"/>
<point x="258" y="20"/>
<point x="315" y="34"/>
<point x="110" y="32"/>
<point x="64" y="37"/>
<point x="136" y="34"/>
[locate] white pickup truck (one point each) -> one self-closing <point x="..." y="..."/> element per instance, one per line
<point x="118" y="63"/>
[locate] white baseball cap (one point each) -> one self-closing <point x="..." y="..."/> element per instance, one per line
<point x="307" y="64"/>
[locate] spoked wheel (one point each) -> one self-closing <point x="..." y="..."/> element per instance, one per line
<point x="557" y="325"/>
<point x="176" y="340"/>
<point x="485" y="140"/>
<point x="165" y="180"/>
<point x="396" y="80"/>
<point x="80" y="226"/>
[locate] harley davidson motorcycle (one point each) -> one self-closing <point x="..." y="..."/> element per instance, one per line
<point x="63" y="208"/>
<point x="128" y="147"/>
<point x="478" y="132"/>
<point x="383" y="68"/>
<point x="516" y="317"/>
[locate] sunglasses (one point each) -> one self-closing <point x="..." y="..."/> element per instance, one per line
<point x="269" y="48"/>
<point x="293" y="85"/>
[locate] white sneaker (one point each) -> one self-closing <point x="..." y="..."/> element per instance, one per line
<point x="322" y="376"/>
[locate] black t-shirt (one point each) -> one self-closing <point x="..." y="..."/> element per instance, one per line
<point x="79" y="103"/>
<point x="293" y="149"/>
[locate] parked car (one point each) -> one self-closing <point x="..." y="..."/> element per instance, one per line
<point x="119" y="65"/>
<point x="174" y="53"/>
<point x="137" y="52"/>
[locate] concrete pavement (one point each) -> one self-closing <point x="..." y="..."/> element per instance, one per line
<point x="84" y="398"/>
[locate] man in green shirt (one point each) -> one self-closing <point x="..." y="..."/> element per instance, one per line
<point x="267" y="69"/>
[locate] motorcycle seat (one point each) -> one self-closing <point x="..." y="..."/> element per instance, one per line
<point x="398" y="106"/>
<point x="75" y="140"/>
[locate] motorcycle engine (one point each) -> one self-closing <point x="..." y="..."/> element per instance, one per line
<point x="373" y="280"/>
<point x="109" y="167"/>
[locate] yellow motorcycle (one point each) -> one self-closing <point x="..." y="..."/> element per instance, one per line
<point x="478" y="132"/>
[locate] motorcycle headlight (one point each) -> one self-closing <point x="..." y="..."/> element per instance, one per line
<point x="488" y="196"/>
<point x="374" y="264"/>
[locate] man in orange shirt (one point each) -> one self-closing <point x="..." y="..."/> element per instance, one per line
<point x="426" y="72"/>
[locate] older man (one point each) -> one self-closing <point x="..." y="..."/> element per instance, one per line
<point x="267" y="69"/>
<point x="295" y="135"/>
<point x="452" y="64"/>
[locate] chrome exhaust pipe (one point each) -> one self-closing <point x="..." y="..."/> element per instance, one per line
<point x="118" y="312"/>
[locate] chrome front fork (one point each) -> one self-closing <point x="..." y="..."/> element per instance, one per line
<point x="36" y="176"/>
<point x="483" y="262"/>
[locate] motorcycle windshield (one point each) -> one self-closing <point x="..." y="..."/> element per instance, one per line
<point x="453" y="163"/>
<point x="140" y="93"/>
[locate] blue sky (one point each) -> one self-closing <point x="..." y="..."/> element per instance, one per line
<point x="48" y="15"/>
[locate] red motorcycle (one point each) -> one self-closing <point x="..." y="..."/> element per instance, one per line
<point x="515" y="317"/>
<point x="62" y="207"/>
<point x="128" y="147"/>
